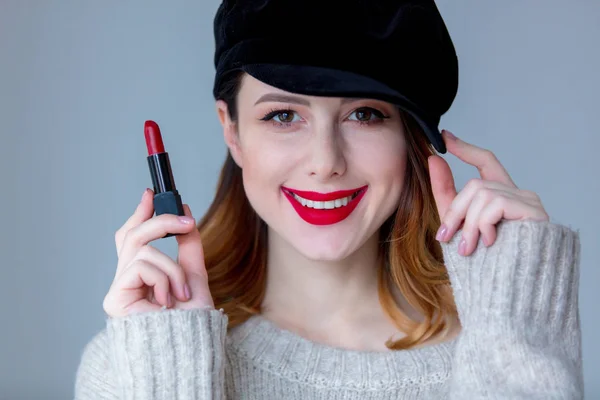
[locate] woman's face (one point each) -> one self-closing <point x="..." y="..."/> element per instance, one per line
<point x="323" y="173"/>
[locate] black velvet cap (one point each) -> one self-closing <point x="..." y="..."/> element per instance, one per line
<point x="398" y="51"/>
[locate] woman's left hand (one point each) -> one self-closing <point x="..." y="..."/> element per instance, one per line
<point x="483" y="202"/>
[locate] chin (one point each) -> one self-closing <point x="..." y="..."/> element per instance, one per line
<point x="323" y="250"/>
<point x="334" y="242"/>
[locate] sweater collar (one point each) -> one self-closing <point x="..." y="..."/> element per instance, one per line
<point x="290" y="355"/>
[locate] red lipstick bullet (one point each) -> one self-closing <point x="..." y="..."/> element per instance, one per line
<point x="153" y="138"/>
<point x="166" y="197"/>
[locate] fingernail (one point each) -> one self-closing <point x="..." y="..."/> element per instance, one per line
<point x="144" y="194"/>
<point x="450" y="135"/>
<point x="186" y="291"/>
<point x="186" y="220"/>
<point x="441" y="233"/>
<point x="462" y="246"/>
<point x="485" y="240"/>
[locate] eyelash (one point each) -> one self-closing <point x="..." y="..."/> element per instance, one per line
<point x="277" y="111"/>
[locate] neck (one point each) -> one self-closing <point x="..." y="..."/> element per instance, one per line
<point x="309" y="295"/>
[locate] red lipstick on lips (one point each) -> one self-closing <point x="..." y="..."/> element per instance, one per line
<point x="166" y="197"/>
<point x="324" y="216"/>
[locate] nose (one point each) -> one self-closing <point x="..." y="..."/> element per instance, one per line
<point x="327" y="159"/>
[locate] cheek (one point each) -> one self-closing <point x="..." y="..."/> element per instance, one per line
<point x="383" y="164"/>
<point x="266" y="166"/>
<point x="382" y="160"/>
<point x="392" y="166"/>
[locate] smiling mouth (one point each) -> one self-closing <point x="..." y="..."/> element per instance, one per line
<point x="325" y="205"/>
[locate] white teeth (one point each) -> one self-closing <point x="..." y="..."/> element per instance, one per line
<point x="327" y="205"/>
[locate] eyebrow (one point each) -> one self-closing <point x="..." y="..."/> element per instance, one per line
<point x="286" y="98"/>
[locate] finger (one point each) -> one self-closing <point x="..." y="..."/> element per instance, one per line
<point x="149" y="230"/>
<point x="144" y="273"/>
<point x="143" y="212"/>
<point x="512" y="208"/>
<point x="131" y="286"/>
<point x="191" y="258"/>
<point x="191" y="253"/>
<point x="484" y="160"/>
<point x="442" y="184"/>
<point x="491" y="215"/>
<point x="472" y="229"/>
<point x="166" y="264"/>
<point x="507" y="206"/>
<point x="457" y="211"/>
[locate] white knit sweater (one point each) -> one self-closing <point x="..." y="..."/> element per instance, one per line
<point x="520" y="339"/>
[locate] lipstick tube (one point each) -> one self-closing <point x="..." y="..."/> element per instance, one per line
<point x="166" y="197"/>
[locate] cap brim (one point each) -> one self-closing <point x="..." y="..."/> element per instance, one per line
<point x="319" y="81"/>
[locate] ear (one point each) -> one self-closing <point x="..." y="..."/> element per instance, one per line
<point x="230" y="132"/>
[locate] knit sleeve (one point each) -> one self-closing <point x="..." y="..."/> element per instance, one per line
<point x="518" y="305"/>
<point x="169" y="354"/>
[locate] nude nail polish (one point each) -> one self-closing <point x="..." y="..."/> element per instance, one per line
<point x="462" y="246"/>
<point x="441" y="233"/>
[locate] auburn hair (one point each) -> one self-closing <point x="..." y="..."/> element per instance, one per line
<point x="234" y="238"/>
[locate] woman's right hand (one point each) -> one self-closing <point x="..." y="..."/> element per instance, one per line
<point x="147" y="279"/>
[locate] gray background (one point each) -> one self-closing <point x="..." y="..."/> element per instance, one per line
<point x="79" y="78"/>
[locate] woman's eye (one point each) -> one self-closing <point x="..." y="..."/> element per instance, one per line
<point x="285" y="116"/>
<point x="282" y="116"/>
<point x="366" y="115"/>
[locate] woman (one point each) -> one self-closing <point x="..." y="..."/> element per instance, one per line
<point x="337" y="259"/>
